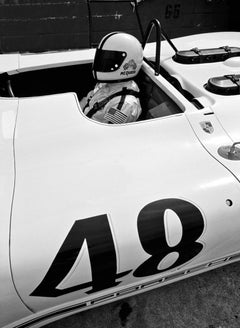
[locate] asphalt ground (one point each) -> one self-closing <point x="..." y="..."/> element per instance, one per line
<point x="209" y="300"/>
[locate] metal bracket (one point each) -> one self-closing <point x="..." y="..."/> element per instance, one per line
<point x="230" y="152"/>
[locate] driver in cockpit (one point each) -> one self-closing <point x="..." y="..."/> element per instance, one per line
<point x="115" y="98"/>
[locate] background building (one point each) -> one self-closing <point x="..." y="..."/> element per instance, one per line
<point x="45" y="25"/>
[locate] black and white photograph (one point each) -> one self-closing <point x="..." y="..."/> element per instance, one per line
<point x="119" y="164"/>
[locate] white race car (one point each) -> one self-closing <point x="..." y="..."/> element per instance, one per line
<point x="91" y="212"/>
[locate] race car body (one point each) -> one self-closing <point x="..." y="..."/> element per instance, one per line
<point x="92" y="212"/>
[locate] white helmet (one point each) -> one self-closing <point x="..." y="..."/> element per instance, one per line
<point x="118" y="57"/>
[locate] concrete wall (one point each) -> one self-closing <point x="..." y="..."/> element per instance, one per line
<point x="28" y="25"/>
<point x="42" y="25"/>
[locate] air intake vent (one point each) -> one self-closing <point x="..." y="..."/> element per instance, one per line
<point x="201" y="56"/>
<point x="226" y="85"/>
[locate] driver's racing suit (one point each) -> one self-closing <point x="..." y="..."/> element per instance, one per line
<point x="113" y="102"/>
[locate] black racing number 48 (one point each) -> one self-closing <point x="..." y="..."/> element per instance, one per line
<point x="102" y="253"/>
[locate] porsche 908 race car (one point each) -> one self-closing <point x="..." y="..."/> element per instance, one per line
<point x="92" y="212"/>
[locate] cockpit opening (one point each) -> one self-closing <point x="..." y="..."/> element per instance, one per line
<point x="79" y="79"/>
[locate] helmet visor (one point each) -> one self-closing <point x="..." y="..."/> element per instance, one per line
<point x="108" y="60"/>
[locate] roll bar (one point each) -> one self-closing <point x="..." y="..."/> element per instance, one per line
<point x="154" y="23"/>
<point x="159" y="33"/>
